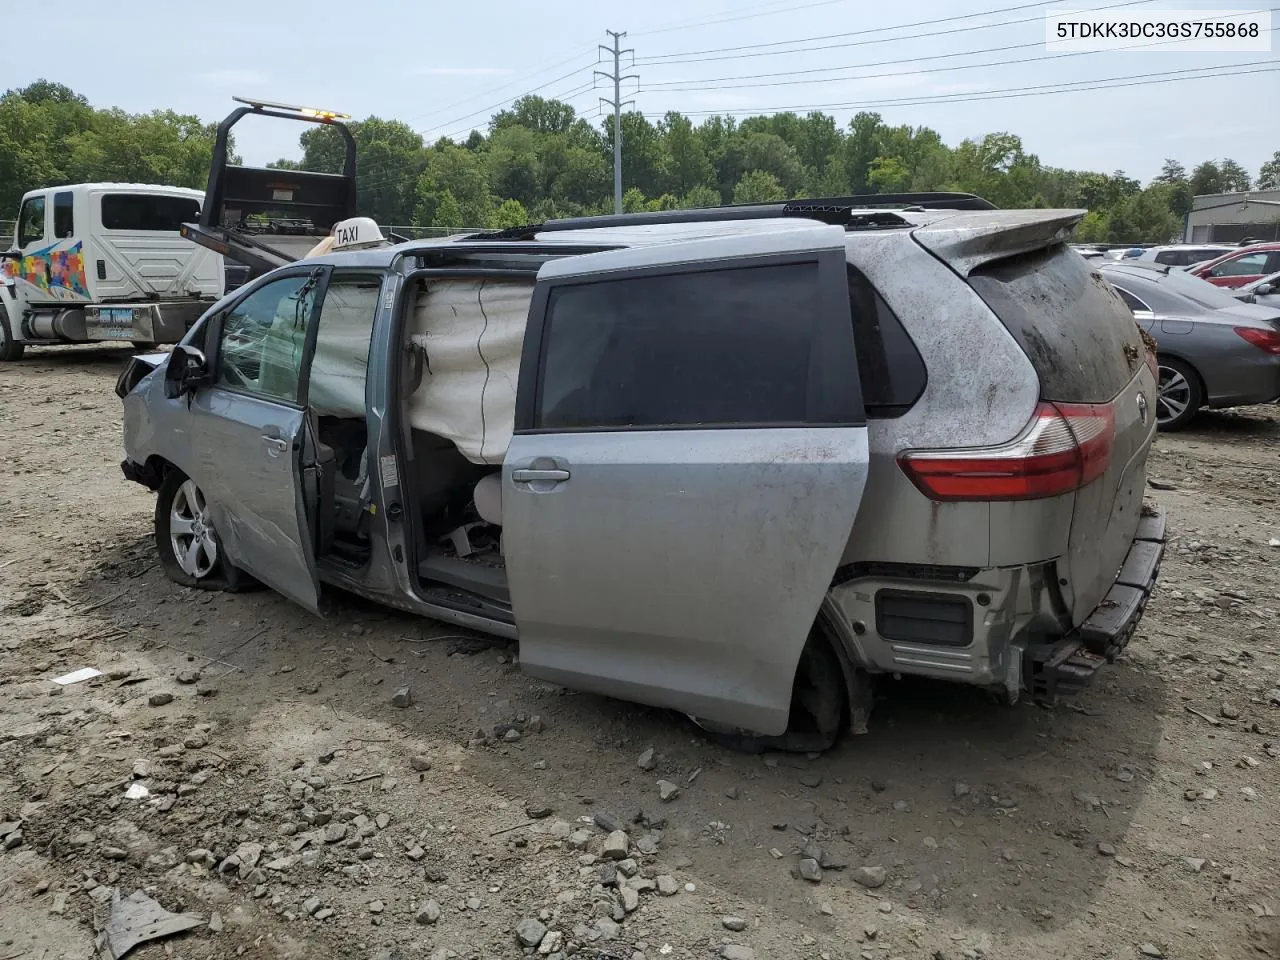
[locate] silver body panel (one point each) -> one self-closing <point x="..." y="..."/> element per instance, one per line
<point x="685" y="568"/>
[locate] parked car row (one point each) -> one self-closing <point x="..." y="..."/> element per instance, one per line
<point x="1215" y="350"/>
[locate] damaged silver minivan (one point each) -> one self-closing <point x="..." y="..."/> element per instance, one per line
<point x="735" y="462"/>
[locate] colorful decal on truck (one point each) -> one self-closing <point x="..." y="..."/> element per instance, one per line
<point x="57" y="273"/>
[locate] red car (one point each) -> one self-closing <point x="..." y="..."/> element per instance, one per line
<point x="1239" y="267"/>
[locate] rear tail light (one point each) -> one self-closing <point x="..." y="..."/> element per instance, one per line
<point x="1268" y="340"/>
<point x="1064" y="447"/>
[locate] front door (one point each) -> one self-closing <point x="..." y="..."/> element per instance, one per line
<point x="248" y="425"/>
<point x="689" y="456"/>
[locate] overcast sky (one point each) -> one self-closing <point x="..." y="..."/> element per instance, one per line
<point x="444" y="68"/>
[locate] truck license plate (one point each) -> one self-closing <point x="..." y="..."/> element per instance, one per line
<point x="114" y="323"/>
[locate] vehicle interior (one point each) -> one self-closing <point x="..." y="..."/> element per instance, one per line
<point x="464" y="338"/>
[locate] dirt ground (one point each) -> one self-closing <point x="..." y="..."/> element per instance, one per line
<point x="298" y="813"/>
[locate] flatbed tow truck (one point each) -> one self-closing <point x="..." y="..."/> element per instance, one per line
<point x="265" y="217"/>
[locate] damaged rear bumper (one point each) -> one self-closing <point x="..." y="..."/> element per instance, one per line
<point x="1065" y="667"/>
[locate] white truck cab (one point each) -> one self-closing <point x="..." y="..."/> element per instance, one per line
<point x="104" y="262"/>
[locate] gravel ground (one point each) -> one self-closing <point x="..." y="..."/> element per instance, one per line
<point x="297" y="812"/>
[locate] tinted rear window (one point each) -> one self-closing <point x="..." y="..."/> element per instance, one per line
<point x="138" y="211"/>
<point x="724" y="347"/>
<point x="1077" y="332"/>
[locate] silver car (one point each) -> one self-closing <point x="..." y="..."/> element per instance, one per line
<point x="1264" y="292"/>
<point x="753" y="459"/>
<point x="1214" y="350"/>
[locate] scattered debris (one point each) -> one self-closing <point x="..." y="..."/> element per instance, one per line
<point x="77" y="676"/>
<point x="139" y="919"/>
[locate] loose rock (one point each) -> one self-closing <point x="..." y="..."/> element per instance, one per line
<point x="870" y="877"/>
<point x="403" y="697"/>
<point x="160" y="699"/>
<point x="1106" y="849"/>
<point x="736" y="924"/>
<point x="187" y="676"/>
<point x="811" y="871"/>
<point x="1150" y="950"/>
<point x="420" y="763"/>
<point x="1230" y="712"/>
<point x="615" y="846"/>
<point x="733" y="951"/>
<point x="530" y="932"/>
<point x="646" y="762"/>
<point x="667" y="886"/>
<point x="428" y="913"/>
<point x="959" y="789"/>
<point x="667" y="791"/>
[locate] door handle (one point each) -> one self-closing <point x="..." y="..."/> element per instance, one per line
<point x="530" y="474"/>
<point x="275" y="442"/>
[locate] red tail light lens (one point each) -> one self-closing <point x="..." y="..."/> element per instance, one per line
<point x="1065" y="446"/>
<point x="1268" y="340"/>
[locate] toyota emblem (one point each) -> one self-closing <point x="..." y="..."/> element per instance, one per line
<point x="1142" y="407"/>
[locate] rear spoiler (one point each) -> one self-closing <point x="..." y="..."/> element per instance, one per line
<point x="967" y="241"/>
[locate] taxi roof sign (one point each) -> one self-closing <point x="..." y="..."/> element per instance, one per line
<point x="356" y="233"/>
<point x="292" y="108"/>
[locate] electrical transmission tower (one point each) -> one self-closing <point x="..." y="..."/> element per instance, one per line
<point x="617" y="103"/>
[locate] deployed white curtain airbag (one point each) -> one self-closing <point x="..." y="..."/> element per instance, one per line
<point x="470" y="333"/>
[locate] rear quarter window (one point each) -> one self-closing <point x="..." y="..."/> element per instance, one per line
<point x="890" y="367"/>
<point x="1077" y="332"/>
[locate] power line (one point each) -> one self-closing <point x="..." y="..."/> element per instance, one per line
<point x="1007" y="93"/>
<point x="567" y="96"/>
<point x="759" y="12"/>
<point x="509" y="100"/>
<point x="671" y="87"/>
<point x="502" y="86"/>
<point x="730" y="54"/>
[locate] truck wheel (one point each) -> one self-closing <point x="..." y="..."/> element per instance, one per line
<point x="10" y="349"/>
<point x="190" y="552"/>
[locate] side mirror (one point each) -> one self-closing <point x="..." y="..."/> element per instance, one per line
<point x="1264" y="289"/>
<point x="187" y="371"/>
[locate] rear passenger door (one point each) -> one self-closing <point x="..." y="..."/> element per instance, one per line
<point x="689" y="455"/>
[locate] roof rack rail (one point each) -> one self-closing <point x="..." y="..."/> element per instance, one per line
<point x="845" y="211"/>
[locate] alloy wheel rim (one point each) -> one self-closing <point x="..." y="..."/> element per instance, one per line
<point x="191" y="532"/>
<point x="1174" y="396"/>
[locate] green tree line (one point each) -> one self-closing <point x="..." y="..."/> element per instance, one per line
<point x="538" y="159"/>
<point x="50" y="135"/>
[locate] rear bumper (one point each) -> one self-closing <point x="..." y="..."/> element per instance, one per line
<point x="1001" y="628"/>
<point x="1065" y="667"/>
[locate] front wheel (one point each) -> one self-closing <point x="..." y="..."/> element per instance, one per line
<point x="190" y="552"/>
<point x="1180" y="394"/>
<point x="10" y="349"/>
